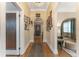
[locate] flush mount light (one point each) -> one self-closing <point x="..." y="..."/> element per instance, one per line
<point x="38" y="4"/>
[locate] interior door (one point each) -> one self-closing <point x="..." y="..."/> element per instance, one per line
<point x="12" y="33"/>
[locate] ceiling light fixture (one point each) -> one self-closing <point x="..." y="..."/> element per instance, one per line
<point x="38" y="4"/>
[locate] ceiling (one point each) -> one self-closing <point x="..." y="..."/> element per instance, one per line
<point x="36" y="6"/>
<point x="66" y="7"/>
<point x="12" y="7"/>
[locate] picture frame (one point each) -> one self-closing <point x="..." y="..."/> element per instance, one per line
<point x="26" y="22"/>
<point x="49" y="22"/>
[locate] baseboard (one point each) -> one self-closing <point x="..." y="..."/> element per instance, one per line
<point x="53" y="50"/>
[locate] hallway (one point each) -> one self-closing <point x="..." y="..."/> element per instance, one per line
<point x="39" y="29"/>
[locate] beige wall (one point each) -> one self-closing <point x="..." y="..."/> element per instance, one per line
<point x="24" y="6"/>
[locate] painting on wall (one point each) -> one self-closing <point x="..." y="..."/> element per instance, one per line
<point x="27" y="22"/>
<point x="49" y="22"/>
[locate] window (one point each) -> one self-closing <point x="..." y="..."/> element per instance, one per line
<point x="67" y="27"/>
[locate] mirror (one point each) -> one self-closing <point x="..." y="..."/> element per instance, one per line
<point x="68" y="29"/>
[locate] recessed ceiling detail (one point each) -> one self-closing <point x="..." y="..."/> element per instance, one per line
<point x="38" y="6"/>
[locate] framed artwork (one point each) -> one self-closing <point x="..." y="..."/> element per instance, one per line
<point x="49" y="22"/>
<point x="27" y="22"/>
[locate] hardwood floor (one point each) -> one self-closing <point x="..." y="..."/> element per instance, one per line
<point x="27" y="51"/>
<point x="38" y="39"/>
<point x="47" y="51"/>
<point x="38" y="50"/>
<point x="32" y="51"/>
<point x="62" y="53"/>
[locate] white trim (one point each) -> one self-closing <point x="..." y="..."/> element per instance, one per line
<point x="17" y="31"/>
<point x="21" y="32"/>
<point x="11" y="52"/>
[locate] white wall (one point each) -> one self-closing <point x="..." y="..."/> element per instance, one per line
<point x="54" y="33"/>
<point x="2" y="30"/>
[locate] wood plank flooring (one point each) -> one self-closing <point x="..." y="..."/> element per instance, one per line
<point x="32" y="51"/>
<point x="62" y="53"/>
<point x="27" y="51"/>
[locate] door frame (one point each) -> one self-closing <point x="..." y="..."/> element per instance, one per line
<point x="15" y="52"/>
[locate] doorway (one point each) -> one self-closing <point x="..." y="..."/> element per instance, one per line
<point x="12" y="33"/>
<point x="38" y="33"/>
<point x="12" y="29"/>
